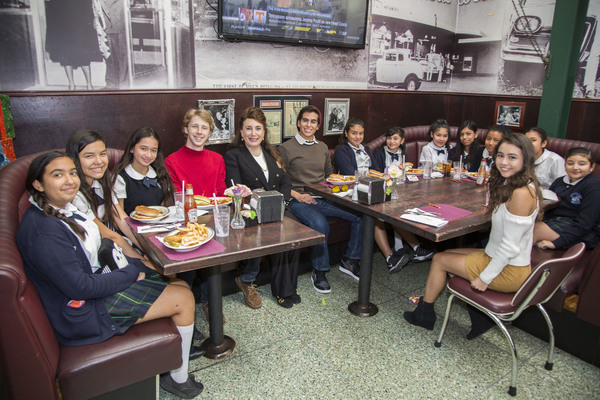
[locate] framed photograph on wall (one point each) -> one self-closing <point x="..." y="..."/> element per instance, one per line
<point x="274" y="125"/>
<point x="282" y="110"/>
<point x="336" y="115"/>
<point x="222" y="112"/>
<point x="510" y="114"/>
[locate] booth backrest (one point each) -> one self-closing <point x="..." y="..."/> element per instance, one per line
<point x="29" y="348"/>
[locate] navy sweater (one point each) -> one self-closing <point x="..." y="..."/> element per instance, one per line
<point x="345" y="160"/>
<point x="580" y="202"/>
<point x="56" y="263"/>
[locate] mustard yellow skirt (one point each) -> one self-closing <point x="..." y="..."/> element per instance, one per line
<point x="508" y="281"/>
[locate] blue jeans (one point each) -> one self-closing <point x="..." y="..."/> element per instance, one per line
<point x="250" y="270"/>
<point x="315" y="216"/>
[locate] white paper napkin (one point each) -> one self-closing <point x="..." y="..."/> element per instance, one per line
<point x="424" y="219"/>
<point x="549" y="195"/>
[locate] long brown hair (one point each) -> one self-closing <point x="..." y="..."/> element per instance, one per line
<point x="501" y="189"/>
<point x="36" y="171"/>
<point x="162" y="175"/>
<point x="258" y="115"/>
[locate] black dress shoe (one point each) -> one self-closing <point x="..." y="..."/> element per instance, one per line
<point x="296" y="299"/>
<point x="196" y="352"/>
<point x="188" y="389"/>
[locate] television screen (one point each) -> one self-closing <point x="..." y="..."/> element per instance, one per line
<point x="340" y="23"/>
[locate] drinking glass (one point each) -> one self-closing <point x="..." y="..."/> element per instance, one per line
<point x="457" y="170"/>
<point x="221" y="215"/>
<point x="179" y="213"/>
<point x="427" y="169"/>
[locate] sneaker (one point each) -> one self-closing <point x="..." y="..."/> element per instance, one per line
<point x="188" y="389"/>
<point x="205" y="309"/>
<point x="398" y="260"/>
<point x="350" y="266"/>
<point x="251" y="296"/>
<point x="421" y="254"/>
<point x="319" y="281"/>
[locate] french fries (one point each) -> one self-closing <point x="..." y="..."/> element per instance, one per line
<point x="192" y="234"/>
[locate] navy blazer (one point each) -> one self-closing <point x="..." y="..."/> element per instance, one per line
<point x="56" y="263"/>
<point x="345" y="160"/>
<point x="241" y="167"/>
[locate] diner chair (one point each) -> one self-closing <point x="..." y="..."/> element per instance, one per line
<point x="545" y="278"/>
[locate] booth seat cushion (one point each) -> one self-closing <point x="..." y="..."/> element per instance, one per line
<point x="146" y="350"/>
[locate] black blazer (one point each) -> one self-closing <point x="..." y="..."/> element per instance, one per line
<point x="242" y="168"/>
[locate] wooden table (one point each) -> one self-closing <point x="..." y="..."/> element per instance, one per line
<point x="464" y="195"/>
<point x="241" y="244"/>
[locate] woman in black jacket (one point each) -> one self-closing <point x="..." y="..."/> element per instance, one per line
<point x="254" y="162"/>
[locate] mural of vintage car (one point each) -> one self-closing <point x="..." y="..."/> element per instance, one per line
<point x="528" y="35"/>
<point x="396" y="67"/>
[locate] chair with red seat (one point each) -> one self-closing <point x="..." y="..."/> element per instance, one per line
<point x="545" y="278"/>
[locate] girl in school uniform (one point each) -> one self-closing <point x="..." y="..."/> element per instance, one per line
<point x="504" y="264"/>
<point x="351" y="155"/>
<point x="59" y="245"/>
<point x="401" y="255"/>
<point x="391" y="152"/>
<point x="467" y="144"/>
<point x="493" y="136"/>
<point x="577" y="217"/>
<point x="140" y="177"/>
<point x="438" y="148"/>
<point x="548" y="165"/>
<point x="96" y="197"/>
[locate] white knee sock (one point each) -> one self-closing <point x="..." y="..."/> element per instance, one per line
<point x="397" y="241"/>
<point x="180" y="374"/>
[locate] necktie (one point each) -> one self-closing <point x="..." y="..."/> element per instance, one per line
<point x="440" y="152"/>
<point x="99" y="199"/>
<point x="74" y="217"/>
<point x="395" y="156"/>
<point x="149" y="182"/>
<point x="488" y="161"/>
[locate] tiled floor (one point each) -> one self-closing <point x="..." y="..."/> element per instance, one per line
<point x="318" y="350"/>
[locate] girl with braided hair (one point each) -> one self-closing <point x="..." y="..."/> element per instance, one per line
<point x="59" y="244"/>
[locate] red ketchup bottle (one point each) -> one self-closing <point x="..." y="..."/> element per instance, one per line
<point x="189" y="205"/>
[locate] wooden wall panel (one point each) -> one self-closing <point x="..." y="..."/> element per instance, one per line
<point x="45" y="120"/>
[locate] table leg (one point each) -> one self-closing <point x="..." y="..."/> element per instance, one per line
<point x="362" y="307"/>
<point x="217" y="345"/>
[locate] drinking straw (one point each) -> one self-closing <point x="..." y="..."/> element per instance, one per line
<point x="183" y="193"/>
<point x="216" y="208"/>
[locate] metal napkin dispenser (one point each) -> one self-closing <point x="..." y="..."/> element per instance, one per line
<point x="269" y="205"/>
<point x="370" y="189"/>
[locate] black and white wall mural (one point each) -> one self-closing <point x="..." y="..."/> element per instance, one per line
<point x="467" y="46"/>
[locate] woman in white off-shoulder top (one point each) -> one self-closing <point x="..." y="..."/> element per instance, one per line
<point x="504" y="264"/>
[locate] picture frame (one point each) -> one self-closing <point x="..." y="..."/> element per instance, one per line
<point x="291" y="108"/>
<point x="510" y="114"/>
<point x="282" y="109"/>
<point x="222" y="112"/>
<point x="273" y="126"/>
<point x="336" y="113"/>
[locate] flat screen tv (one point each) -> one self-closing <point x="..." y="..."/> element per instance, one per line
<point x="339" y="23"/>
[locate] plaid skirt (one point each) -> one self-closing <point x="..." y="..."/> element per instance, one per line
<point x="131" y="304"/>
<point x="560" y="224"/>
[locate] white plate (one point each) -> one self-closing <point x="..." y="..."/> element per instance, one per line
<point x="162" y="216"/>
<point x="341" y="183"/>
<point x="212" y="206"/>
<point x="161" y="238"/>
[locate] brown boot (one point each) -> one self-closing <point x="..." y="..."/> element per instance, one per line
<point x="251" y="296"/>
<point x="205" y="309"/>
